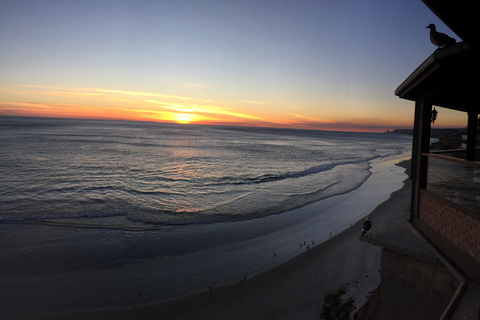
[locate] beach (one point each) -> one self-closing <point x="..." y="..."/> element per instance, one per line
<point x="291" y="290"/>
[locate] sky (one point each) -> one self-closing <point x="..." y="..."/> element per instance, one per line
<point x="312" y="64"/>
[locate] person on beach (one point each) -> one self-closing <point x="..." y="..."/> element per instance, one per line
<point x="367" y="225"/>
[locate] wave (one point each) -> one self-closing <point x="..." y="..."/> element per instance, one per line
<point x="45" y="216"/>
<point x="269" y="177"/>
<point x="238" y="205"/>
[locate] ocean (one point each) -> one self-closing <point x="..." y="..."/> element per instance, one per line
<point x="169" y="208"/>
<point x="138" y="175"/>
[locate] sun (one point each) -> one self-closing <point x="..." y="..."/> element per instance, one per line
<point x="184" y="117"/>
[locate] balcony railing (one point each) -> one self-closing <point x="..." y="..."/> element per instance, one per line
<point x="455" y="179"/>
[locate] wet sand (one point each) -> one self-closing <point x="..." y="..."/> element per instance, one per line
<point x="291" y="290"/>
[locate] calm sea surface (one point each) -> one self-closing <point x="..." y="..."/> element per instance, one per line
<point x="118" y="174"/>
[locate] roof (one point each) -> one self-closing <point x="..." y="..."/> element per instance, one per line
<point x="397" y="237"/>
<point x="449" y="78"/>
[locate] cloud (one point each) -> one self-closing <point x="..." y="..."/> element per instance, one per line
<point x="141" y="94"/>
<point x="30" y="105"/>
<point x="135" y="99"/>
<point x="253" y="102"/>
<point x="121" y="99"/>
<point x="81" y="91"/>
<point x="313" y="120"/>
<point x="195" y="108"/>
<point x="33" y="109"/>
<point x="99" y="92"/>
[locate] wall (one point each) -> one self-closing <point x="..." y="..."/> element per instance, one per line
<point x="411" y="289"/>
<point x="459" y="227"/>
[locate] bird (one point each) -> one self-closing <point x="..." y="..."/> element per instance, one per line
<point x="367" y="224"/>
<point x="439" y="39"/>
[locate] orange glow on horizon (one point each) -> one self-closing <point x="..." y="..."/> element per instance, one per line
<point x="167" y="116"/>
<point x="107" y="104"/>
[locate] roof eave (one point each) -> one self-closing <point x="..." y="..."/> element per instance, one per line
<point x="426" y="68"/>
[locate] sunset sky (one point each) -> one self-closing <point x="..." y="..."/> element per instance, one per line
<point x="321" y="64"/>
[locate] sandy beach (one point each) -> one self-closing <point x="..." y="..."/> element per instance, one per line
<point x="291" y="290"/>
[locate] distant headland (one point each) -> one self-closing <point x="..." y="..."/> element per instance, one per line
<point x="447" y="138"/>
<point x="401" y="131"/>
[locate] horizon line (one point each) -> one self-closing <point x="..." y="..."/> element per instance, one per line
<point x="359" y="129"/>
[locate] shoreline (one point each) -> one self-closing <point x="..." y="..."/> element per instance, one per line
<point x="290" y="290"/>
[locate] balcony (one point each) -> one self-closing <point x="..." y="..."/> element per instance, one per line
<point x="454" y="179"/>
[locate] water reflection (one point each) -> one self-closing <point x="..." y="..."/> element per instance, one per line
<point x="457" y="182"/>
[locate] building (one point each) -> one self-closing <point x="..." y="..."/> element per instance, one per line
<point x="431" y="264"/>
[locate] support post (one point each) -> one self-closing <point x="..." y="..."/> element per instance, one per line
<point x="471" y="136"/>
<point x="421" y="144"/>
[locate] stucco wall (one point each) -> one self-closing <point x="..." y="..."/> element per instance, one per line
<point x="411" y="289"/>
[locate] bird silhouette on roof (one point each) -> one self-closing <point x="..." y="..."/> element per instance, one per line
<point x="439" y="39"/>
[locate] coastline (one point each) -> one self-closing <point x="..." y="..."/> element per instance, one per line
<point x="290" y="290"/>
